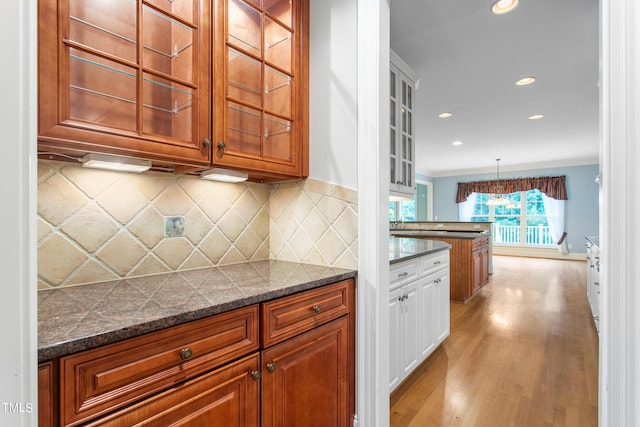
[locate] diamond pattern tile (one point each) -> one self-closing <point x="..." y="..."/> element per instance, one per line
<point x="98" y="225"/>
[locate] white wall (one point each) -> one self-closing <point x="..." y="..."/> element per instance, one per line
<point x="332" y="93"/>
<point x="17" y="263"/>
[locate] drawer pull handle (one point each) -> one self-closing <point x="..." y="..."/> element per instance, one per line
<point x="403" y="274"/>
<point x="316" y="309"/>
<point x="186" y="354"/>
<point x="271" y="367"/>
<point x="256" y="375"/>
<point x="436" y="262"/>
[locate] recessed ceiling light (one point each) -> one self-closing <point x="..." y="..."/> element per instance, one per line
<point x="456" y="143"/>
<point x="503" y="6"/>
<point x="536" y="117"/>
<point x="445" y="115"/>
<point x="525" y="81"/>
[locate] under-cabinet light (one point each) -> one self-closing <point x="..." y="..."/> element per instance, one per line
<point x="224" y="175"/>
<point x="116" y="163"/>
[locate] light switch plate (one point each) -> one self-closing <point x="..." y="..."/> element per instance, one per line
<point x="174" y="226"/>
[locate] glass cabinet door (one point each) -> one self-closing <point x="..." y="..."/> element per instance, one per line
<point x="131" y="69"/>
<point x="257" y="122"/>
<point x="401" y="137"/>
<point x="407" y="145"/>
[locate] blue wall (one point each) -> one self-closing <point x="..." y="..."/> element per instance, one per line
<point x="581" y="215"/>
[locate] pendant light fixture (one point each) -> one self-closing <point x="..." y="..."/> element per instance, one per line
<point x="498" y="198"/>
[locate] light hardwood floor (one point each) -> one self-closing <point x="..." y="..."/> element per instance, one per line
<point x="523" y="352"/>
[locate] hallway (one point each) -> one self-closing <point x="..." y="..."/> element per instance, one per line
<point x="523" y="352"/>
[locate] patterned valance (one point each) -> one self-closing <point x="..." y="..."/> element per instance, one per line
<point x="552" y="186"/>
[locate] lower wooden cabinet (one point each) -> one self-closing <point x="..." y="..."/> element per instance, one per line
<point x="469" y="265"/>
<point x="46" y="395"/>
<point x="305" y="380"/>
<point x="218" y="371"/>
<point x="228" y="397"/>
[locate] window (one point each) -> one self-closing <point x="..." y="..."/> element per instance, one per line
<point x="522" y="222"/>
<point x="416" y="209"/>
<point x="402" y="210"/>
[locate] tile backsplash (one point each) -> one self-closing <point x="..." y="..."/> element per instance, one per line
<point x="96" y="225"/>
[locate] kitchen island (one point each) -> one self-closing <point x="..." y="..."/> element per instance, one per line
<point x="470" y="255"/>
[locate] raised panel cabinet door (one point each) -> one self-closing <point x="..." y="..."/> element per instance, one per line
<point x="127" y="77"/>
<point x="443" y="309"/>
<point x="46" y="395"/>
<point x="410" y="327"/>
<point x="485" y="265"/>
<point x="261" y="87"/>
<point x="305" y="381"/>
<point x="395" y="371"/>
<point x="426" y="326"/>
<point x="228" y="397"/>
<point x="476" y="273"/>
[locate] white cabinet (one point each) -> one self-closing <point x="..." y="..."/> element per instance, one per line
<point x="426" y="316"/>
<point x="442" y="307"/>
<point x="418" y="312"/>
<point x="593" y="281"/>
<point x="403" y="320"/>
<point x="402" y="126"/>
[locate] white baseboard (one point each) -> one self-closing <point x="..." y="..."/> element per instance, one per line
<point x="538" y="253"/>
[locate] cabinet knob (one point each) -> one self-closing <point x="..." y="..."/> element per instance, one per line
<point x="316" y="309"/>
<point x="221" y="145"/>
<point x="186" y="353"/>
<point x="271" y="366"/>
<point x="206" y="142"/>
<point x="256" y="375"/>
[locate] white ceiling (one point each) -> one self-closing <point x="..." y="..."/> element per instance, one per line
<point x="468" y="60"/>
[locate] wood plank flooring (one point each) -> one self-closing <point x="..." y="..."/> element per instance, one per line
<point x="523" y="352"/>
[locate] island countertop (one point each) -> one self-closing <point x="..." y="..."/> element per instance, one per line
<point x="449" y="234"/>
<point x="77" y="318"/>
<point x="405" y="248"/>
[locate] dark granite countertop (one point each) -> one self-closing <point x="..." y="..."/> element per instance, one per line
<point x="444" y="233"/>
<point x="77" y="318"/>
<point x="405" y="248"/>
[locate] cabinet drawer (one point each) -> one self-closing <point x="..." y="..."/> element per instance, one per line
<point x="434" y="262"/>
<point x="403" y="272"/>
<point x="227" y="396"/>
<point x="97" y="381"/>
<point x="289" y="316"/>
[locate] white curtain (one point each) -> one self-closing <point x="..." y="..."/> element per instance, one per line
<point x="554" y="210"/>
<point x="465" y="209"/>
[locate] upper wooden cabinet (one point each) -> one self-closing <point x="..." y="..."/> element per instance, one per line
<point x="261" y="86"/>
<point x="185" y="83"/>
<point x="125" y="77"/>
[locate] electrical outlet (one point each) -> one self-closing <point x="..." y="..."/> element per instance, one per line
<point x="174" y="226"/>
